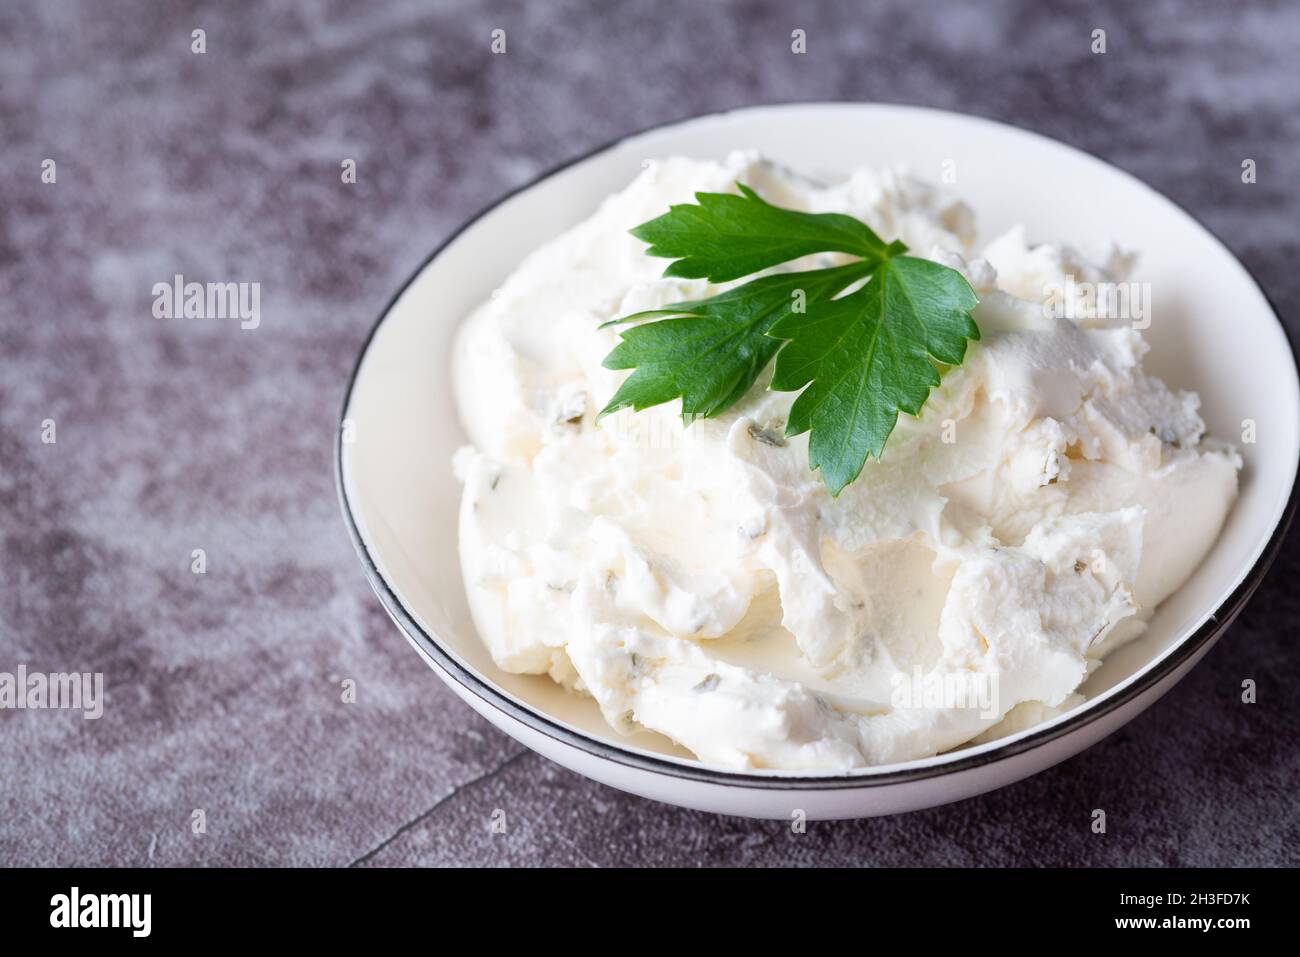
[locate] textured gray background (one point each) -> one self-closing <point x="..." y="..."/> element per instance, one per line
<point x="223" y="689"/>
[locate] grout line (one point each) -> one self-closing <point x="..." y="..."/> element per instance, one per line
<point x="439" y="803"/>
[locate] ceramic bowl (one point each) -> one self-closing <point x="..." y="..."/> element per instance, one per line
<point x="1213" y="331"/>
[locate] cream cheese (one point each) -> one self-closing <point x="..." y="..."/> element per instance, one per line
<point x="701" y="582"/>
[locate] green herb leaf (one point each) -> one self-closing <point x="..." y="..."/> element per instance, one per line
<point x="710" y="352"/>
<point x="860" y="359"/>
<point x="867" y="356"/>
<point x="725" y="236"/>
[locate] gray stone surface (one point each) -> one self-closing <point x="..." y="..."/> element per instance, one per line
<point x="223" y="689"/>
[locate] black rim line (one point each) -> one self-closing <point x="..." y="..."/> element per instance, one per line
<point x="427" y="643"/>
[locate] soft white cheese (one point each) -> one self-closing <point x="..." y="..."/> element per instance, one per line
<point x="701" y="582"/>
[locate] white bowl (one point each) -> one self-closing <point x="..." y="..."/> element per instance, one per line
<point x="1213" y="331"/>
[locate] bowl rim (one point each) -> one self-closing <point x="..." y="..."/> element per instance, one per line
<point x="429" y="646"/>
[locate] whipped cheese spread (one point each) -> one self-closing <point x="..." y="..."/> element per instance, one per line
<point x="700" y="581"/>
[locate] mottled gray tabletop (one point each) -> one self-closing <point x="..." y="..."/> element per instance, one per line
<point x="223" y="688"/>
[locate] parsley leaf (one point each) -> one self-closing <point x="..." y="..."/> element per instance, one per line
<point x="867" y="356"/>
<point x="725" y="236"/>
<point x="860" y="359"/>
<point x="710" y="352"/>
